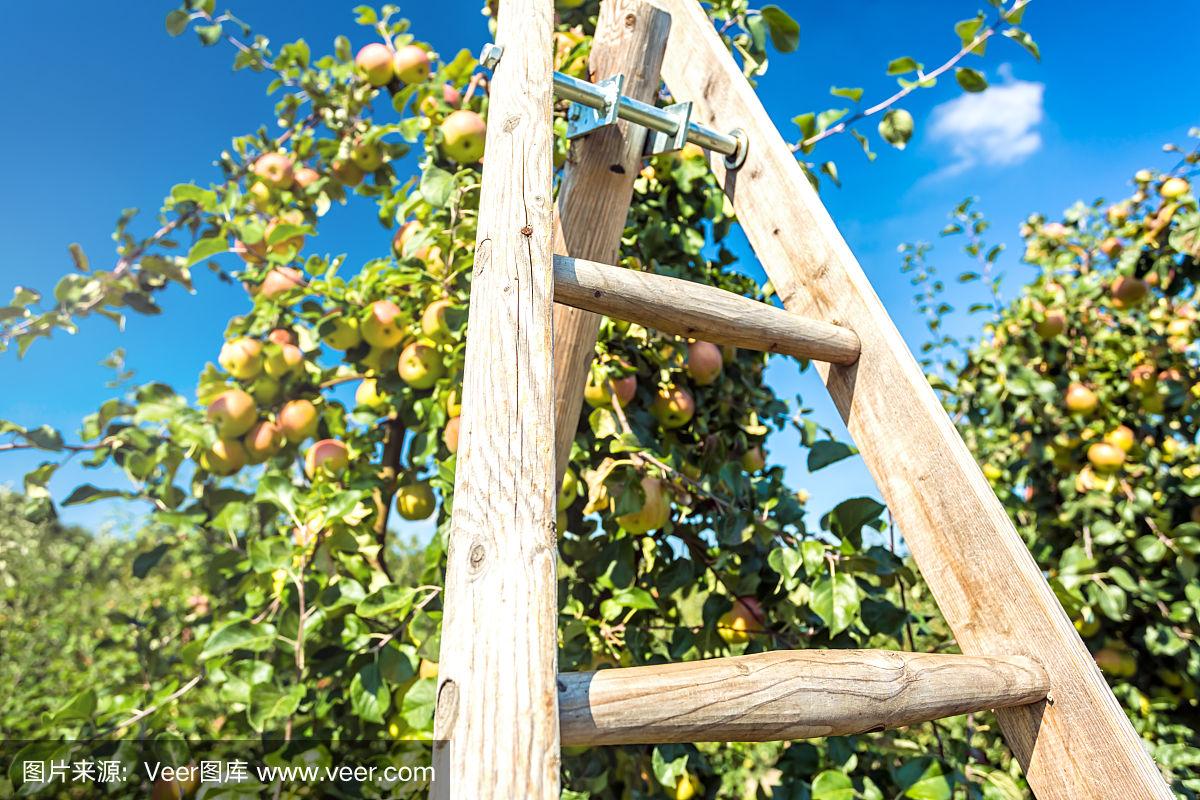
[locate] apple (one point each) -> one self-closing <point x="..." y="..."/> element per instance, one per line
<point x="291" y="245"/>
<point x="1053" y="323"/>
<point x="743" y="620"/>
<point x="1055" y="230"/>
<point x="704" y="363"/>
<point x="1128" y="292"/>
<point x="1143" y="377"/>
<point x="381" y="328"/>
<point x="265" y="390"/>
<point x="434" y="323"/>
<point x="1174" y="188"/>
<point x="451" y="95"/>
<point x="374" y="61"/>
<point x="1080" y="399"/>
<point x="411" y="64"/>
<point x="1117" y="214"/>
<point x="225" y="457"/>
<point x="568" y="491"/>
<point x="183" y="784"/>
<point x="233" y="412"/>
<point x="329" y="456"/>
<point x="655" y="511"/>
<point x="450" y="434"/>
<point x="753" y="459"/>
<point x="1143" y="176"/>
<point x="1106" y="457"/>
<point x="275" y="170"/>
<point x="282" y="279"/>
<point x="347" y="172"/>
<point x="463" y="135"/>
<point x="242" y="358"/>
<point x="368" y="156"/>
<point x="1120" y="436"/>
<point x="673" y="407"/>
<point x="1086" y="623"/>
<point x="341" y="333"/>
<point x="687" y="785"/>
<point x="281" y="336"/>
<point x="306" y="176"/>
<point x="1111" y="246"/>
<point x="421" y="365"/>
<point x="298" y="420"/>
<point x="403" y="236"/>
<point x="453" y="404"/>
<point x="250" y="253"/>
<point x="263" y="441"/>
<point x="1179" y="327"/>
<point x="283" y="360"/>
<point x="598" y="394"/>
<point x="415" y="501"/>
<point x="367" y="396"/>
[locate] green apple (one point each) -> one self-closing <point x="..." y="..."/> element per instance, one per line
<point x="298" y="419"/>
<point x="242" y="358"/>
<point x="463" y="136"/>
<point x="375" y="63"/>
<point x="421" y="365"/>
<point x="233" y="412"/>
<point x="381" y="327"/>
<point x="415" y="501"/>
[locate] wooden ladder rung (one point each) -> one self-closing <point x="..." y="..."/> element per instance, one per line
<point x="685" y="308"/>
<point x="789" y="694"/>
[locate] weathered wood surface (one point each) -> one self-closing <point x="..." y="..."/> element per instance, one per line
<point x="787" y="694"/>
<point x="496" y="701"/>
<point x="987" y="585"/>
<point x="686" y="308"/>
<point x="597" y="184"/>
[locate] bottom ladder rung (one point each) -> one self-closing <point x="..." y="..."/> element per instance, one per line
<point x="789" y="694"/>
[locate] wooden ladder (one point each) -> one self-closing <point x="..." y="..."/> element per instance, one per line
<point x="503" y="710"/>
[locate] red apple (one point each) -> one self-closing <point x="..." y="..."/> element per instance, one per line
<point x="328" y="456"/>
<point x="298" y="420"/>
<point x="381" y="328"/>
<point x="233" y="413"/>
<point x="375" y="63"/>
<point x="411" y="64"/>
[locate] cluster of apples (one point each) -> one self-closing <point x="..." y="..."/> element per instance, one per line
<point x="463" y="131"/>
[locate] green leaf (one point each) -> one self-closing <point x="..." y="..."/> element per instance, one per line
<point x="827" y="452"/>
<point x="278" y="490"/>
<point x="397" y="663"/>
<point x="206" y="248"/>
<point x="968" y="29"/>
<point x="81" y="706"/>
<point x="436" y="186"/>
<point x="177" y="22"/>
<point x="149" y="560"/>
<point x="835" y="599"/>
<point x="813" y="553"/>
<point x="87" y="493"/>
<point x="896" y="127"/>
<point x="209" y="34"/>
<point x="853" y="95"/>
<point x="924" y="779"/>
<point x="902" y="65"/>
<point x="365" y="15"/>
<point x="269" y="702"/>
<point x="240" y="635"/>
<point x="634" y="597"/>
<point x="191" y="193"/>
<point x="369" y="696"/>
<point x="832" y="784"/>
<point x="970" y="80"/>
<point x="390" y="600"/>
<point x="417" y="706"/>
<point x="1025" y="40"/>
<point x="785" y="31"/>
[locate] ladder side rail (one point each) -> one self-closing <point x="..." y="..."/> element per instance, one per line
<point x="990" y="590"/>
<point x="496" y="715"/>
<point x="597" y="186"/>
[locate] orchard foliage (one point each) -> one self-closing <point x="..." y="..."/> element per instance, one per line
<point x="333" y="404"/>
<point x="1082" y="403"/>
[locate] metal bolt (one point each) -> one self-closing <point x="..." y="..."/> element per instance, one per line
<point x="489" y="57"/>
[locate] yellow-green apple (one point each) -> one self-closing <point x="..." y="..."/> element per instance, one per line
<point x="1174" y="188"/>
<point x="265" y="390"/>
<point x="653" y="514"/>
<point x="306" y="176"/>
<point x="329" y="456"/>
<point x="1120" y="436"/>
<point x="434" y="323"/>
<point x="374" y="61"/>
<point x="673" y="406"/>
<point x="263" y="441"/>
<point x="242" y="358"/>
<point x="415" y="501"/>
<point x="283" y="360"/>
<point x="289" y="245"/>
<point x="568" y="491"/>
<point x="381" y="327"/>
<point x="1143" y="176"/>
<point x="450" y="434"/>
<point x="599" y="394"/>
<point x="404" y="234"/>
<point x="380" y="359"/>
<point x="463" y="135"/>
<point x="1106" y="457"/>
<point x="1080" y="399"/>
<point x="281" y="279"/>
<point x="745" y="619"/>
<point x="411" y="64"/>
<point x="1111" y="247"/>
<point x="421" y="365"/>
<point x="753" y="459"/>
<point x="233" y="412"/>
<point x="341" y="333"/>
<point x="367" y="396"/>
<point x="1128" y="292"/>
<point x="453" y="404"/>
<point x="346" y="172"/>
<point x="298" y="420"/>
<point x="704" y="363"/>
<point x="275" y="170"/>
<point x="367" y="155"/>
<point x="687" y="785"/>
<point x="1053" y="322"/>
<point x="225" y="457"/>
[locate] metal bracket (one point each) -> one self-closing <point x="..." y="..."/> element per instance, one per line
<point x="489" y="57"/>
<point x="582" y="120"/>
<point x="658" y="142"/>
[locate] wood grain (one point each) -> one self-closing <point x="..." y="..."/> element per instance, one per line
<point x="787" y="694"/>
<point x="699" y="311"/>
<point x="597" y="184"/>
<point x="496" y="701"/>
<point x="987" y="585"/>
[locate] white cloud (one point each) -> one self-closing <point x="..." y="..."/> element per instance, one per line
<point x="996" y="127"/>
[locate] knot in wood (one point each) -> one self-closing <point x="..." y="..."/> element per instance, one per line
<point x="527" y="230"/>
<point x="476" y="555"/>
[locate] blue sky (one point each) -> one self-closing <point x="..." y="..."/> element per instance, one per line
<point x="106" y="112"/>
